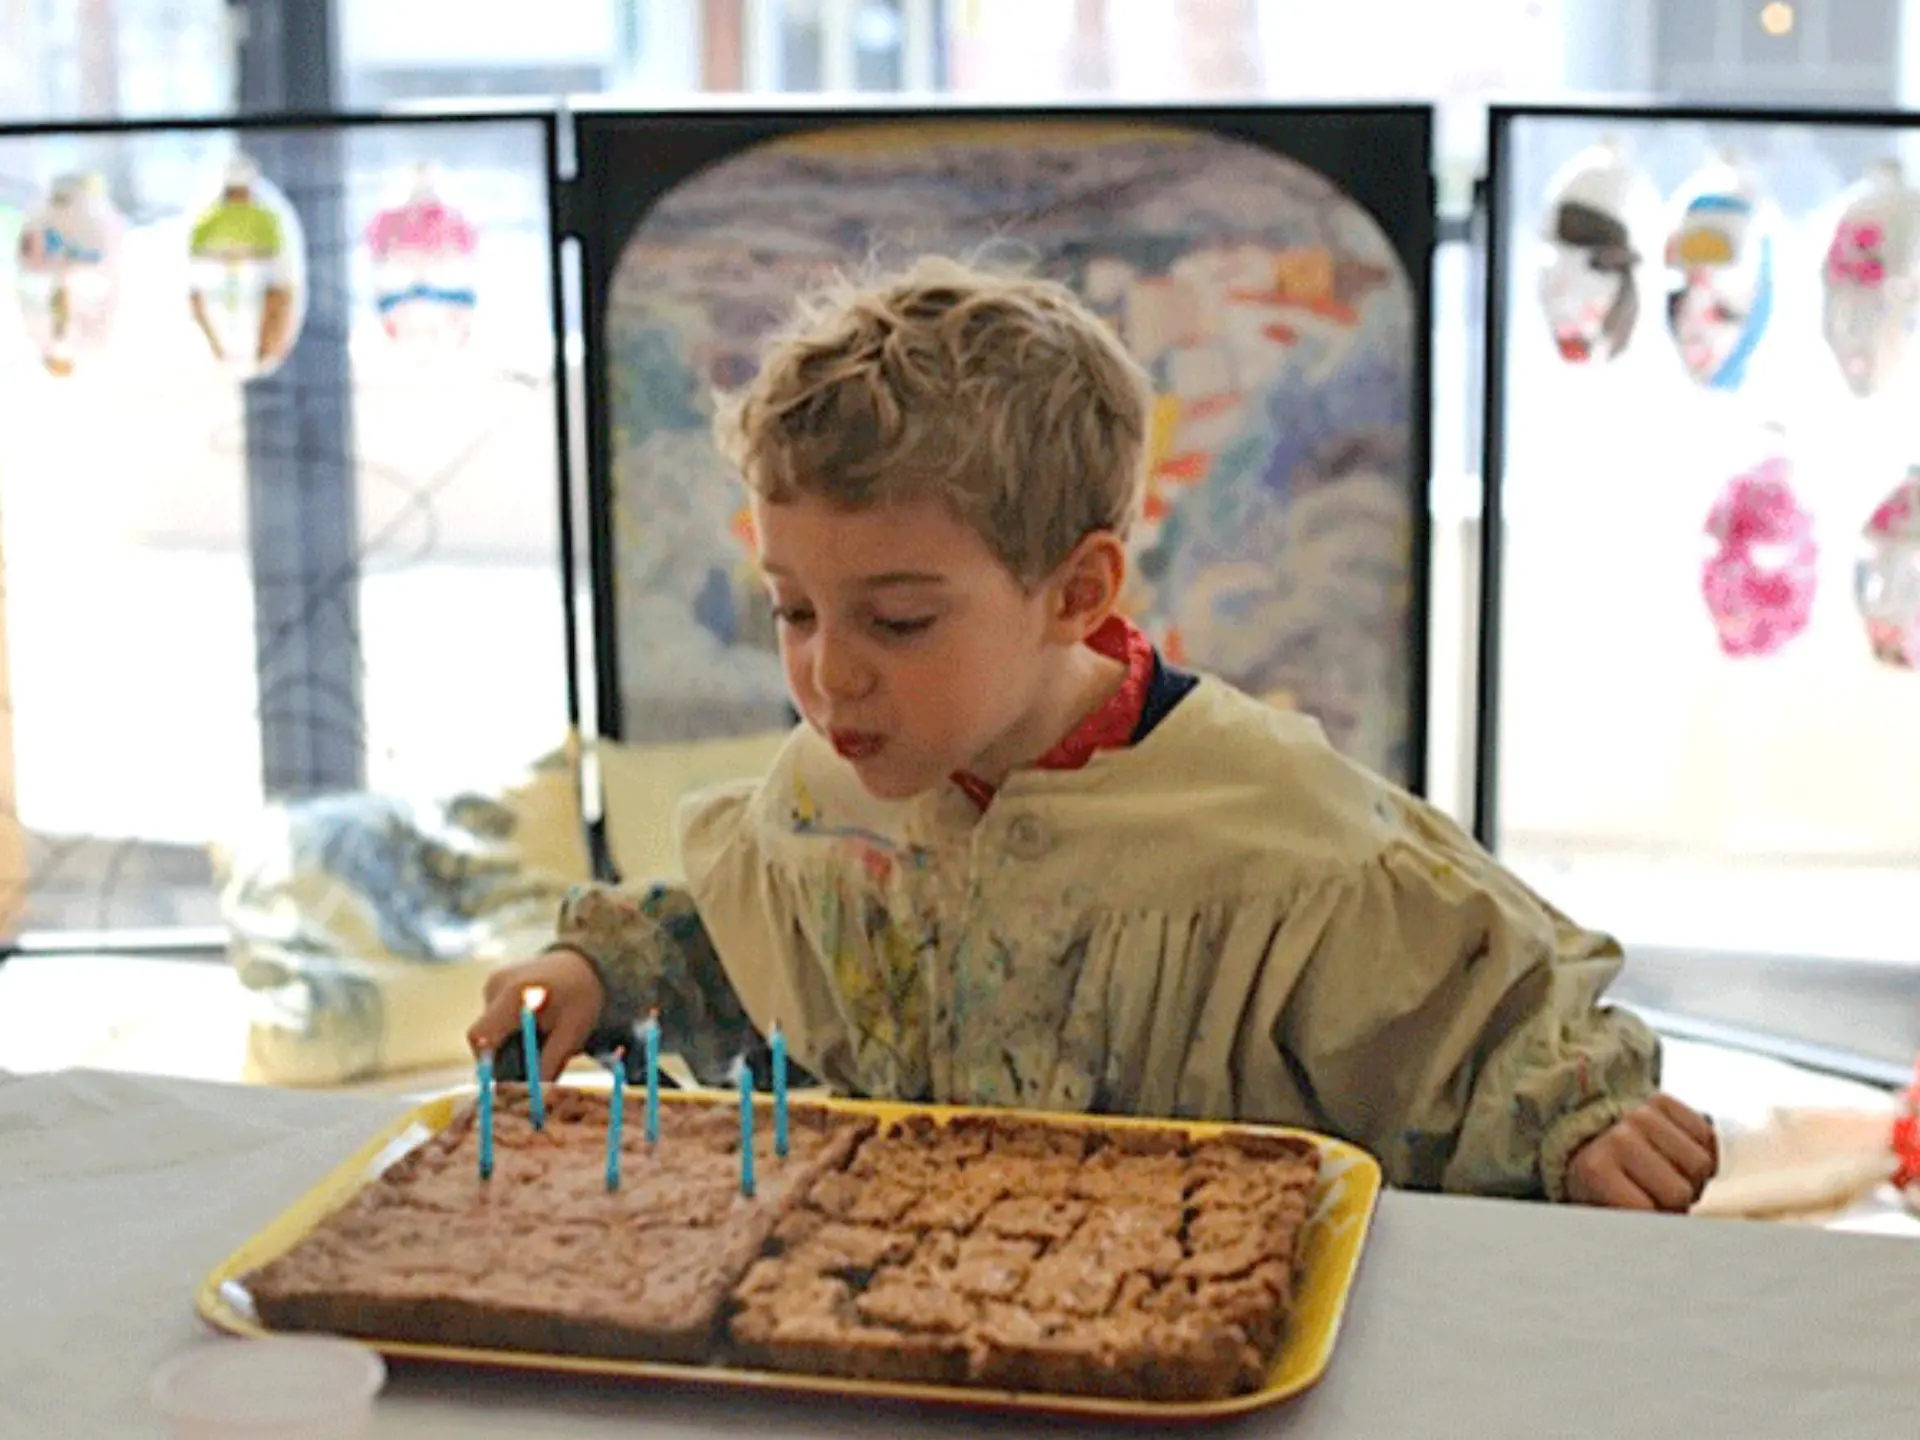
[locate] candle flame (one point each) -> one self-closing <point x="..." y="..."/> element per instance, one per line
<point x="534" y="996"/>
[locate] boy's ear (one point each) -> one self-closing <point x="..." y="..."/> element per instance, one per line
<point x="1088" y="585"/>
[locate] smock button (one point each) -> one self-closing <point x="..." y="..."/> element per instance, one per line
<point x="1027" y="838"/>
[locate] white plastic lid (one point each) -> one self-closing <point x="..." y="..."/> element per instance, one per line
<point x="312" y="1387"/>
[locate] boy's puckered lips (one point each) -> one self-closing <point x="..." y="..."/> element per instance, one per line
<point x="856" y="744"/>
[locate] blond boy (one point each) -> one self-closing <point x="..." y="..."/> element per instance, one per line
<point x="1012" y="857"/>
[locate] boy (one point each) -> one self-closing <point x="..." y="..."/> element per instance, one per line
<point x="1011" y="857"/>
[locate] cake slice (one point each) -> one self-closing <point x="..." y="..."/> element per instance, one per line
<point x="1038" y="1256"/>
<point x="542" y="1256"/>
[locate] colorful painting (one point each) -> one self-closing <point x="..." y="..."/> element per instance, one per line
<point x="1872" y="304"/>
<point x="69" y="271"/>
<point x="247" y="287"/>
<point x="1274" y="316"/>
<point x="1600" y="212"/>
<point x="1763" y="567"/>
<point x="1720" y="272"/>
<point x="1886" y="585"/>
<point x="423" y="262"/>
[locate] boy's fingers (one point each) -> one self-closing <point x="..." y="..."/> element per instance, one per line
<point x="1654" y="1174"/>
<point x="1602" y="1181"/>
<point x="1680" y="1146"/>
<point x="562" y="1043"/>
<point x="497" y="1021"/>
<point x="1691" y="1121"/>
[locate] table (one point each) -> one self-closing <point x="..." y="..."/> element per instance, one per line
<point x="1471" y="1318"/>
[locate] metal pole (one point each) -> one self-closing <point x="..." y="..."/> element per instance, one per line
<point x="303" y="511"/>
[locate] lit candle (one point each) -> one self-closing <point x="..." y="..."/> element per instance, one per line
<point x="745" y="1077"/>
<point x="778" y="1041"/>
<point x="616" y="1118"/>
<point x="650" y="1032"/>
<point x="484" y="1075"/>
<point x="531" y="999"/>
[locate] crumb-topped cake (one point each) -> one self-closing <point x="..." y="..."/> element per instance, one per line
<point x="543" y="1256"/>
<point x="1029" y="1256"/>
<point x="986" y="1251"/>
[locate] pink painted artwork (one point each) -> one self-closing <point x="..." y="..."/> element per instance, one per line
<point x="1887" y="576"/>
<point x="423" y="261"/>
<point x="1871" y="304"/>
<point x="1760" y="578"/>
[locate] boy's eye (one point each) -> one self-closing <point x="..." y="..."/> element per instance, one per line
<point x="792" y="614"/>
<point x="913" y="625"/>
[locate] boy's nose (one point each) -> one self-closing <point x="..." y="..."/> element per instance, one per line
<point x="838" y="673"/>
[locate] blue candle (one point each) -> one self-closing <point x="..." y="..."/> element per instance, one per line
<point x="745" y="1077"/>
<point x="779" y="1043"/>
<point x="484" y="1075"/>
<point x="651" y="1034"/>
<point x="530" y="1042"/>
<point x="616" y="1118"/>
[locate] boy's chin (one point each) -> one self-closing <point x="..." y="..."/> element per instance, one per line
<point x="883" y="783"/>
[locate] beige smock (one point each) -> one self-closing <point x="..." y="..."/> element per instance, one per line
<point x="1228" y="920"/>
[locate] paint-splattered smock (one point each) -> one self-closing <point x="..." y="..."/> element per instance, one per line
<point x="1225" y="920"/>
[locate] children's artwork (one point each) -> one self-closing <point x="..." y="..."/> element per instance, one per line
<point x="1601" y="215"/>
<point x="423" y="269"/>
<point x="1274" y="316"/>
<point x="1719" y="259"/>
<point x="69" y="271"/>
<point x="1872" y="296"/>
<point x="1759" y="579"/>
<point x="248" y="274"/>
<point x="1887" y="577"/>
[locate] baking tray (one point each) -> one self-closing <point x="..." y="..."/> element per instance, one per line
<point x="1335" y="1235"/>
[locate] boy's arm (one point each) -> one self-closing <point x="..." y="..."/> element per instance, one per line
<point x="1450" y="1020"/>
<point x="651" y="951"/>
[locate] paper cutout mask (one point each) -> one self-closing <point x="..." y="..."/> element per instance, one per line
<point x="1872" y="301"/>
<point x="1886" y="583"/>
<point x="1598" y="215"/>
<point x="423" y="269"/>
<point x="1719" y="259"/>
<point x="248" y="274"/>
<point x="1759" y="580"/>
<point x="69" y="271"/>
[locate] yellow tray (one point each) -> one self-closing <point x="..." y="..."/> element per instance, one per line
<point x="1335" y="1235"/>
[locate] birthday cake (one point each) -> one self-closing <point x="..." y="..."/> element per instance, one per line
<point x="1072" y="1258"/>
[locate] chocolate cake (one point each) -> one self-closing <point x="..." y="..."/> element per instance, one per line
<point x="985" y="1251"/>
<point x="1033" y="1256"/>
<point x="543" y="1256"/>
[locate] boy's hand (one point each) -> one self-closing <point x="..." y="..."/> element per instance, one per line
<point x="565" y="1018"/>
<point x="1658" y="1157"/>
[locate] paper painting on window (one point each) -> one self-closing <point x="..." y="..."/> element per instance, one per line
<point x="68" y="271"/>
<point x="423" y="269"/>
<point x="247" y="285"/>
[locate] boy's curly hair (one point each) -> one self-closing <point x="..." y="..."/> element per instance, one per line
<point x="1002" y="397"/>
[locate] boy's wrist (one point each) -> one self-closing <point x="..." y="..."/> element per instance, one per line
<point x="560" y="948"/>
<point x="1566" y="1136"/>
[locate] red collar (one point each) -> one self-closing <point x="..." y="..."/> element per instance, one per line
<point x="1112" y="726"/>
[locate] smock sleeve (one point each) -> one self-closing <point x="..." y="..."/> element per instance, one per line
<point x="652" y="951"/>
<point x="1450" y="1020"/>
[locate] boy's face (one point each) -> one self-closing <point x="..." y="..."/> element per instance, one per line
<point x="907" y="643"/>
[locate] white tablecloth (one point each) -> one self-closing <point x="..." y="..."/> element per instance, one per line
<point x="1470" y="1319"/>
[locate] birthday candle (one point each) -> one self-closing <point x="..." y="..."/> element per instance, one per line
<point x="745" y="1077"/>
<point x="779" y="1043"/>
<point x="530" y="1043"/>
<point x="651" y="1033"/>
<point x="484" y="1074"/>
<point x="616" y="1118"/>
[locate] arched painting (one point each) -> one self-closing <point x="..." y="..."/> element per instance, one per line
<point x="1275" y="317"/>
